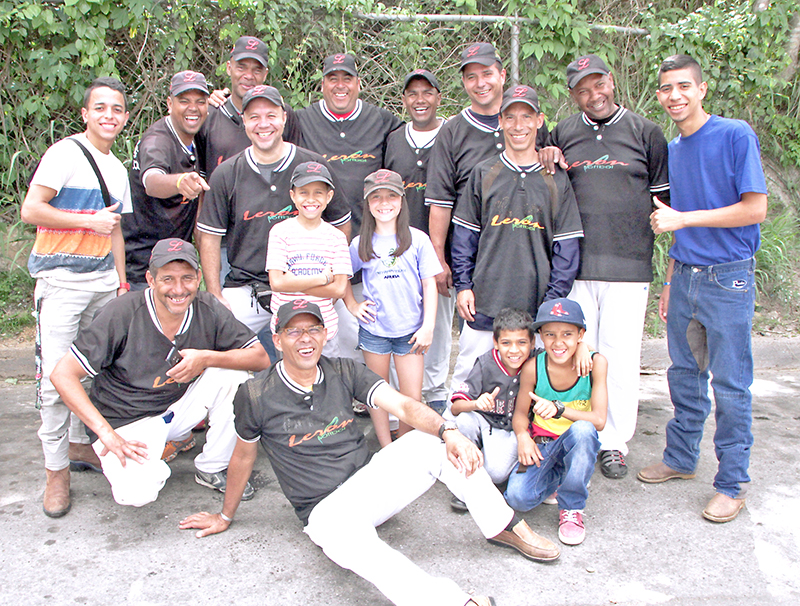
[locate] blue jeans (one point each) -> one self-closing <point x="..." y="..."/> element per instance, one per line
<point x="567" y="466"/>
<point x="709" y="320"/>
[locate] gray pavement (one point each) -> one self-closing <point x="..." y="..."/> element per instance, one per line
<point x="646" y="544"/>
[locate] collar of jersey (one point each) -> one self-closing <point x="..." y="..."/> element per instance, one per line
<point x="151" y="307"/>
<point x="229" y="109"/>
<point x="501" y="366"/>
<point x="327" y="113"/>
<point x="285" y="163"/>
<point x="517" y="169"/>
<point x="185" y="149"/>
<point x="477" y="124"/>
<point x="430" y="143"/>
<point x="613" y="120"/>
<point x="293" y="385"/>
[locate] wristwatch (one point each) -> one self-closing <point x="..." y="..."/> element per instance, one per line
<point x="559" y="409"/>
<point x="446" y="426"/>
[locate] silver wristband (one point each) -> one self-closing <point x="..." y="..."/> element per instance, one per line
<point x="226" y="518"/>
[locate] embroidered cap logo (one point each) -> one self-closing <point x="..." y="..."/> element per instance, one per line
<point x="473" y="50"/>
<point x="252" y="44"/>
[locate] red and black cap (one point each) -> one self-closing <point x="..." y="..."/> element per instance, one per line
<point x="520" y="94"/>
<point x="340" y="62"/>
<point x="425" y="75"/>
<point x="583" y="66"/>
<point x="290" y="309"/>
<point x="248" y="47"/>
<point x="262" y="91"/>
<point x="479" y="52"/>
<point x="173" y="249"/>
<point x="188" y="80"/>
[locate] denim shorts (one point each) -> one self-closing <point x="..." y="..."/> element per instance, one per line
<point x="398" y="346"/>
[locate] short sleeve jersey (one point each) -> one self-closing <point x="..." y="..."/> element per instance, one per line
<point x="711" y="169"/>
<point x="243" y="204"/>
<point x="310" y="436"/>
<point x="512" y="211"/>
<point x="154" y="219"/>
<point x="354" y="147"/>
<point x="615" y="168"/>
<point x="394" y="284"/>
<point x="222" y="135"/>
<point x="125" y="351"/>
<point x="577" y="397"/>
<point x="486" y="375"/>
<point x="410" y="160"/>
<point x="462" y="143"/>
<point x="302" y="252"/>
<point x="78" y="258"/>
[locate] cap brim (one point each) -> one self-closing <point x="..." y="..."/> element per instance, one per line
<point x="505" y="106"/>
<point x="182" y="88"/>
<point x="255" y="56"/>
<point x="575" y="78"/>
<point x="306" y="179"/>
<point x="390" y="187"/>
<point x="487" y="61"/>
<point x="538" y="325"/>
<point x="340" y="68"/>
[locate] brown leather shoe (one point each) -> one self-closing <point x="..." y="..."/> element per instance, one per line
<point x="722" y="508"/>
<point x="82" y="457"/>
<point x="527" y="542"/>
<point x="655" y="474"/>
<point x="56" y="494"/>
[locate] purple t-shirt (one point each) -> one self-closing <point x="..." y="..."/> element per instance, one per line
<point x="395" y="283"/>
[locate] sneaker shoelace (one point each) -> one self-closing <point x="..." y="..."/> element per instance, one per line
<point x="571" y="515"/>
<point x="613" y="456"/>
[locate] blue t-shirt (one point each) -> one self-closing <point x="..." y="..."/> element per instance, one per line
<point x="711" y="169"/>
<point x="395" y="283"/>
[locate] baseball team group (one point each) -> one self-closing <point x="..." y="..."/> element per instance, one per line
<point x="264" y="274"/>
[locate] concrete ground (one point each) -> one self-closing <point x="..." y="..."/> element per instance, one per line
<point x="646" y="544"/>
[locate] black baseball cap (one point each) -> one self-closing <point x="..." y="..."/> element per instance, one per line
<point x="188" y="80"/>
<point x="340" y="62"/>
<point x="425" y="75"/>
<point x="289" y="310"/>
<point x="583" y="66"/>
<point x="262" y="91"/>
<point x="173" y="249"/>
<point x="309" y="172"/>
<point x="559" y="310"/>
<point x="520" y="94"/>
<point x="384" y="179"/>
<point x="248" y="47"/>
<point x="480" y="52"/>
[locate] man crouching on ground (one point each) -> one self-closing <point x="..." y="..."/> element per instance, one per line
<point x="323" y="470"/>
<point x="162" y="359"/>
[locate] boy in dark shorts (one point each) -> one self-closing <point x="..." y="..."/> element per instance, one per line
<point x="556" y="419"/>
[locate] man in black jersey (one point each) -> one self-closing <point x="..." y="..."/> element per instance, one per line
<point x="616" y="161"/>
<point x="166" y="178"/>
<point x="161" y="360"/>
<point x="516" y="232"/>
<point x="249" y="194"/>
<point x="300" y="412"/>
<point x="407" y="153"/>
<point x="351" y="135"/>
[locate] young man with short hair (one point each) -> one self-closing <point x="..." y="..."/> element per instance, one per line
<point x="78" y="260"/>
<point x="719" y="197"/>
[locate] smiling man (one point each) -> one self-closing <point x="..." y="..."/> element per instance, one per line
<point x="516" y="231"/>
<point x="249" y="195"/>
<point x="719" y="197"/>
<point x="78" y="260"/>
<point x="300" y="412"/>
<point x="166" y="180"/>
<point x="160" y="360"/>
<point x="616" y="161"/>
<point x="407" y="152"/>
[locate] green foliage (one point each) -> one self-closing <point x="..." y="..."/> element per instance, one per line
<point x="16" y="288"/>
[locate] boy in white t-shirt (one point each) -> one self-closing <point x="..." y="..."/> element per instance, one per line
<point x="306" y="257"/>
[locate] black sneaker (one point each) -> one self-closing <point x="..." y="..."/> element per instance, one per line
<point x="219" y="481"/>
<point x="612" y="464"/>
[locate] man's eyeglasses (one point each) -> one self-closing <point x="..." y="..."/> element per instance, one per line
<point x="296" y="333"/>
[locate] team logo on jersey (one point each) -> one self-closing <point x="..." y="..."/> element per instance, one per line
<point x="413" y="185"/>
<point x="271" y="216"/>
<point x="358" y="156"/>
<point x="331" y="429"/>
<point x="515" y="223"/>
<point x="601" y="163"/>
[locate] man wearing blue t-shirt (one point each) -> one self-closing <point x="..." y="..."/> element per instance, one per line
<point x="719" y="197"/>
